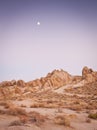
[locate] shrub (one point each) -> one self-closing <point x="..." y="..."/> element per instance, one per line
<point x="16" y="111"/>
<point x="22" y="105"/>
<point x="62" y="120"/>
<point x="15" y="123"/>
<point x="36" y="118"/>
<point x="93" y="115"/>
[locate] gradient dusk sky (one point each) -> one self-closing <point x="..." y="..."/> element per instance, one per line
<point x="38" y="36"/>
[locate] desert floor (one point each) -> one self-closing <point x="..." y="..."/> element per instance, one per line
<point x="66" y="108"/>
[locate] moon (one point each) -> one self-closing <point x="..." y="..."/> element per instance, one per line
<point x="38" y="23"/>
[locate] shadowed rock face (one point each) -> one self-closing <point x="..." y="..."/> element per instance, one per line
<point x="8" y="83"/>
<point x="12" y="83"/>
<point x="20" y="83"/>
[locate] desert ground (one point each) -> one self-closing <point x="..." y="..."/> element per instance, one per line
<point x="58" y="101"/>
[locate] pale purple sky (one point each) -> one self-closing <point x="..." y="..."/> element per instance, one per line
<point x="66" y="37"/>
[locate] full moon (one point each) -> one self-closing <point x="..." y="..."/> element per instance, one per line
<point x="38" y="23"/>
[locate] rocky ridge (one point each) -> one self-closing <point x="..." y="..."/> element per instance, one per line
<point x="54" y="80"/>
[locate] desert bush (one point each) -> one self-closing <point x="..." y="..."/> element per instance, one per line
<point x="93" y="115"/>
<point x="22" y="105"/>
<point x="36" y="118"/>
<point x="62" y="120"/>
<point x="44" y="105"/>
<point x="72" y="116"/>
<point x="16" y="111"/>
<point x="35" y="105"/>
<point x="76" y="107"/>
<point x="24" y="118"/>
<point x="16" y="123"/>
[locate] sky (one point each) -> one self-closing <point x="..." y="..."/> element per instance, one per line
<point x="38" y="36"/>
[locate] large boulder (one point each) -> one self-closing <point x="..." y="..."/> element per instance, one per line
<point x="89" y="75"/>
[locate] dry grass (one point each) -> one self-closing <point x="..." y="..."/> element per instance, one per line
<point x="24" y="118"/>
<point x="37" y="117"/>
<point x="88" y="89"/>
<point x="33" y="117"/>
<point x="14" y="111"/>
<point x="44" y="105"/>
<point x="62" y="120"/>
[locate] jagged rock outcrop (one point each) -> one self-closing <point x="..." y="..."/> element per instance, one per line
<point x="89" y="75"/>
<point x="57" y="78"/>
<point x="20" y="83"/>
<point x="8" y="83"/>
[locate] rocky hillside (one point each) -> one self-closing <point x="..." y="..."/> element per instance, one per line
<point x="54" y="80"/>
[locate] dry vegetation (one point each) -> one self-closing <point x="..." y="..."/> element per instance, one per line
<point x="88" y="89"/>
<point x="62" y="120"/>
<point x="16" y="123"/>
<point x="55" y="100"/>
<point x="93" y="115"/>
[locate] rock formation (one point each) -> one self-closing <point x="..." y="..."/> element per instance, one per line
<point x="8" y="83"/>
<point x="55" y="79"/>
<point x="89" y="75"/>
<point x="20" y="83"/>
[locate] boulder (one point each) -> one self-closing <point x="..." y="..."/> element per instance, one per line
<point x="89" y="75"/>
<point x="20" y="83"/>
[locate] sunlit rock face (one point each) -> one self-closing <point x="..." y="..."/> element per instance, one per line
<point x="89" y="75"/>
<point x="56" y="78"/>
